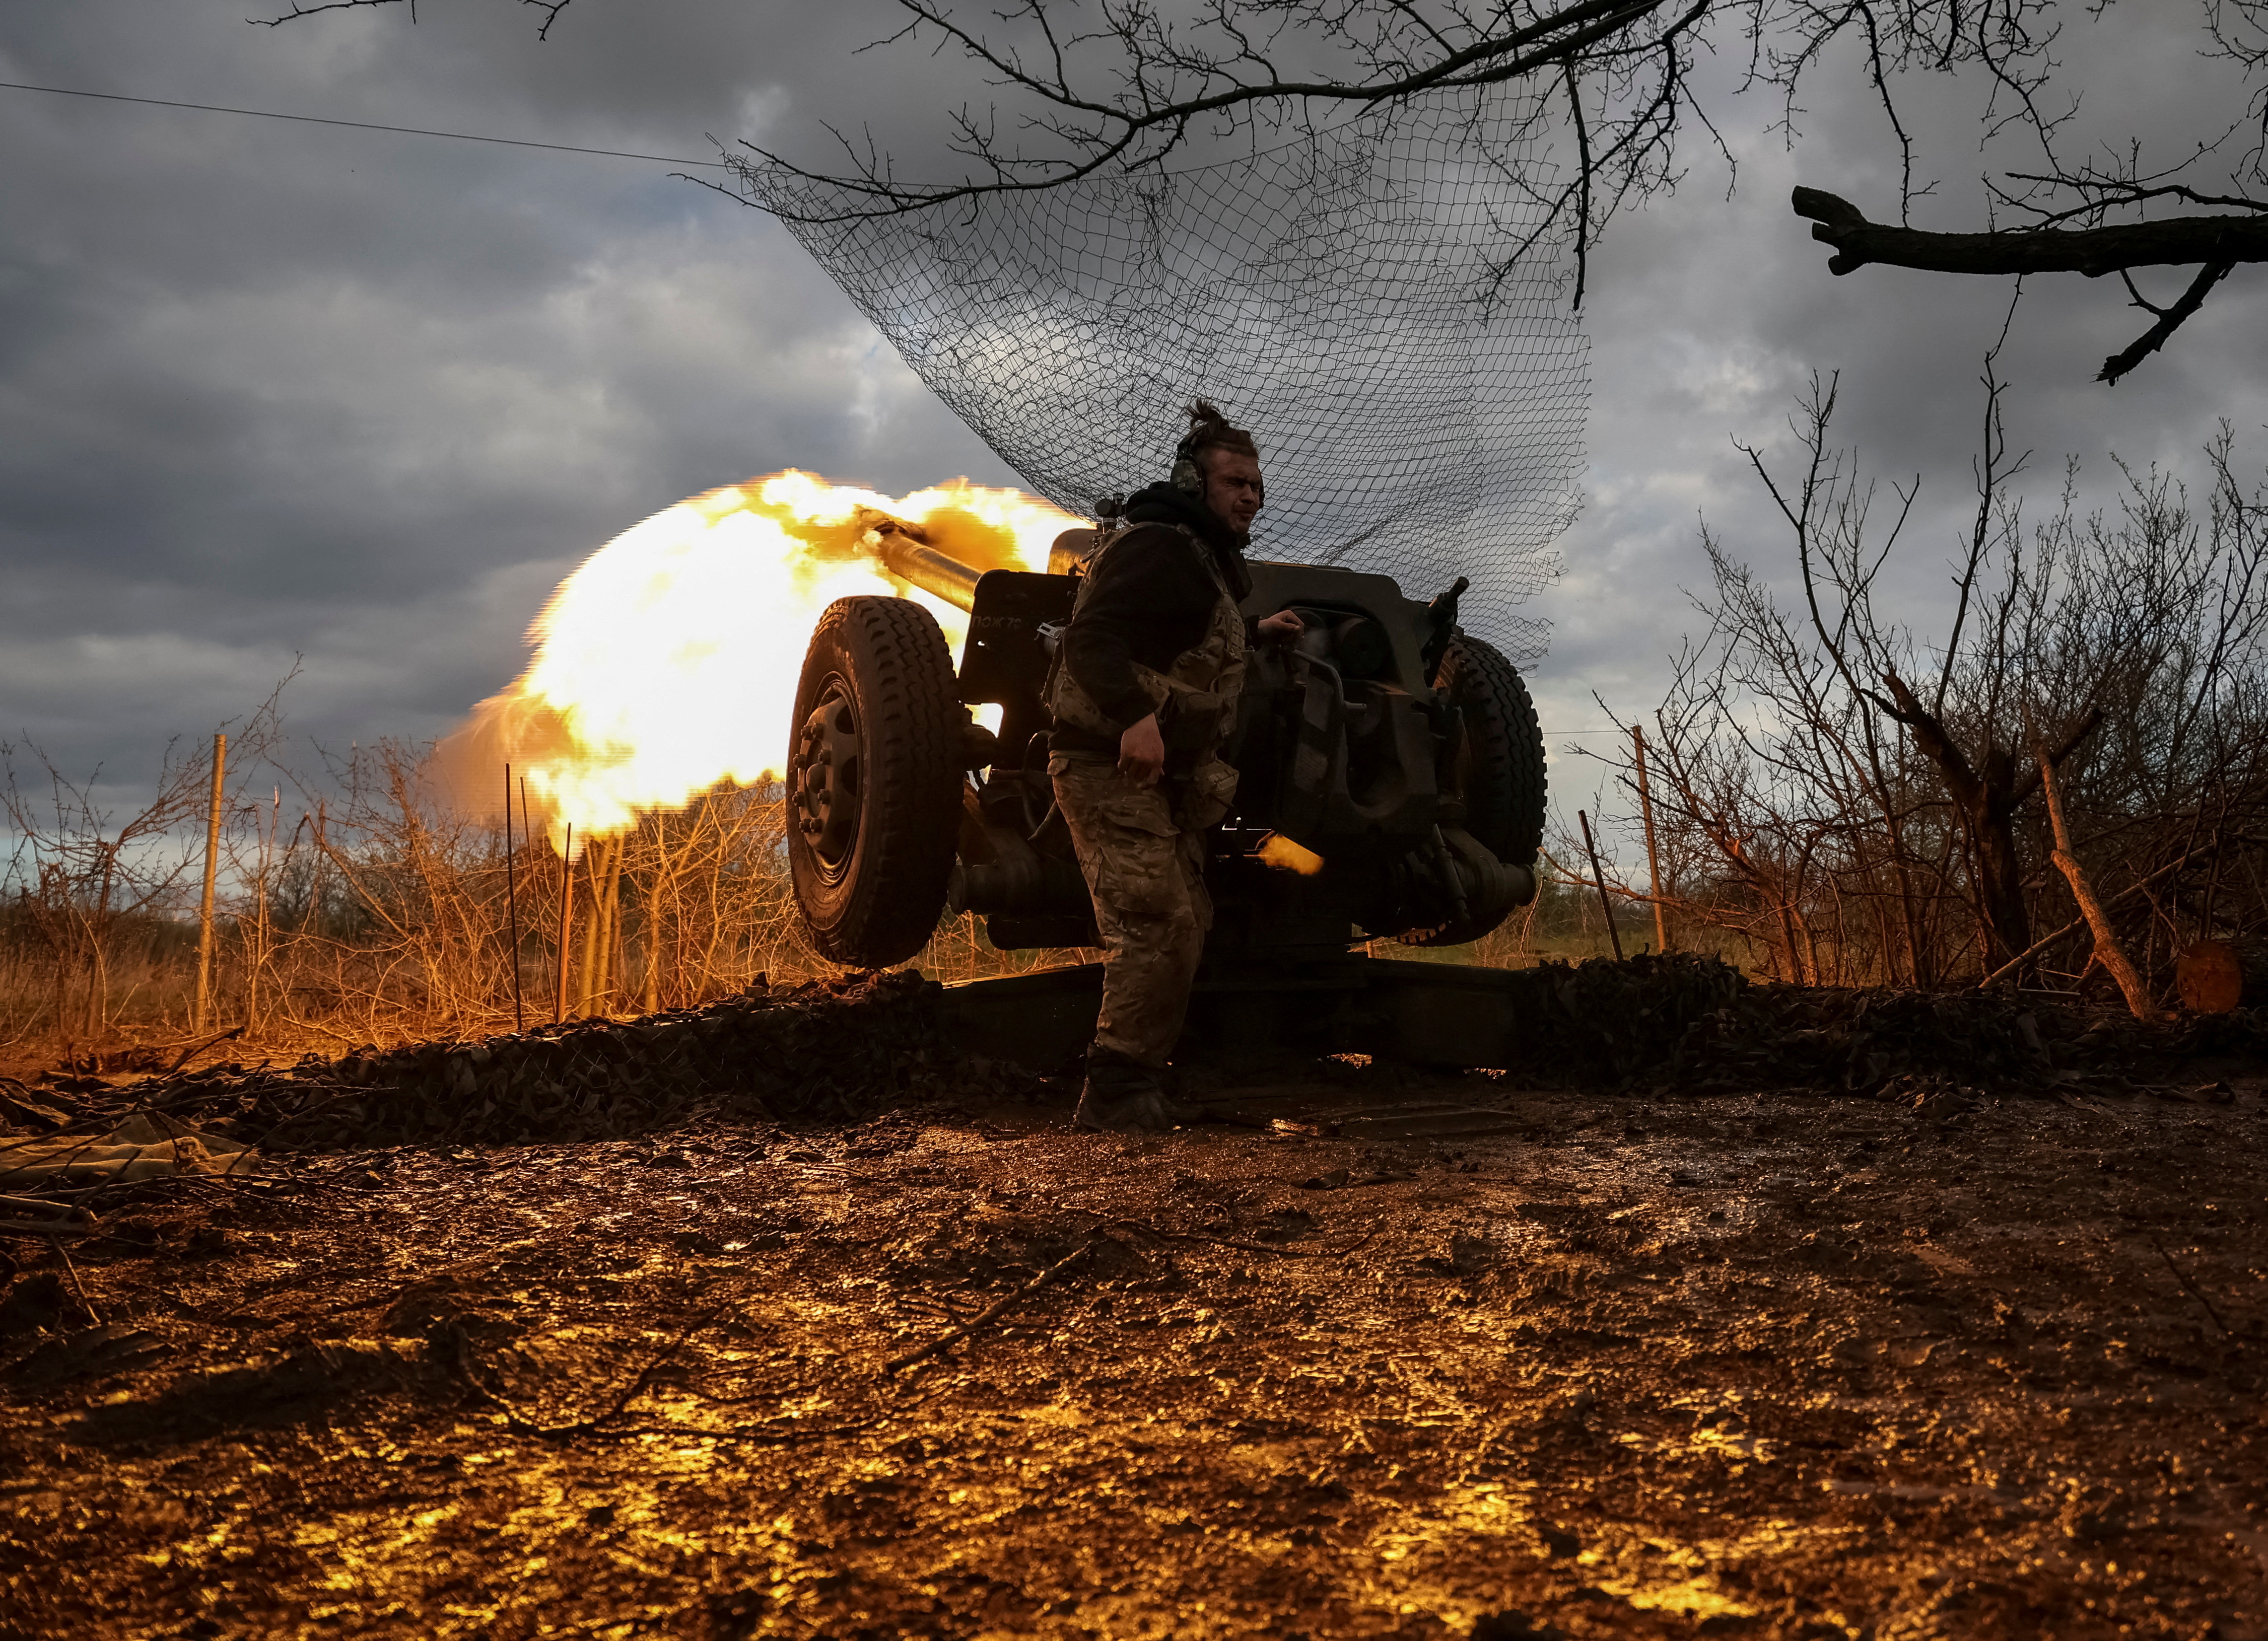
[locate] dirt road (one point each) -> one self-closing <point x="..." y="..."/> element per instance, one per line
<point x="1382" y="1357"/>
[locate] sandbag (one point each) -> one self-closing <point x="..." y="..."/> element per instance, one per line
<point x="142" y="1147"/>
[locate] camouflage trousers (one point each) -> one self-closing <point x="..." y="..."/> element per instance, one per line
<point x="1146" y="874"/>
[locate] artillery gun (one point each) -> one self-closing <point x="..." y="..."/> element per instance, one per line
<point x="1391" y="788"/>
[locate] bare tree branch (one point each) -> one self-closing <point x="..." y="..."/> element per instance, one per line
<point x="551" y="9"/>
<point x="1103" y="88"/>
<point x="2218" y="242"/>
<point x="2171" y="241"/>
<point x="2169" y="320"/>
<point x="1137" y="128"/>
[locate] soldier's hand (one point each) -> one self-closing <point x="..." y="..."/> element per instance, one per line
<point x="1142" y="751"/>
<point x="1283" y="627"/>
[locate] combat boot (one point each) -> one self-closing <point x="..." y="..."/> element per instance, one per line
<point x="1170" y="1089"/>
<point x="1123" y="1096"/>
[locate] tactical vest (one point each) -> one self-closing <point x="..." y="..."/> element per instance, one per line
<point x="1195" y="699"/>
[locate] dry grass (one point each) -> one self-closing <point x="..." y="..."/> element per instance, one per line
<point x="382" y="915"/>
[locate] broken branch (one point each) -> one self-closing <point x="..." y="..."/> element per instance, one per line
<point x="2172" y="241"/>
<point x="2169" y="321"/>
<point x="2107" y="947"/>
<point x="2045" y="941"/>
<point x="992" y="1313"/>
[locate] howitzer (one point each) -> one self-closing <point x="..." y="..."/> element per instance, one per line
<point x="1396" y="754"/>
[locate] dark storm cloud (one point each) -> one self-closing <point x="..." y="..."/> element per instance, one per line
<point x="269" y="389"/>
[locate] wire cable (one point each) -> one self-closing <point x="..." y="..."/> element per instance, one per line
<point x="362" y="125"/>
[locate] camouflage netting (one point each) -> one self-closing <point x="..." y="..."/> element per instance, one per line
<point x="825" y="1050"/>
<point x="843" y="1050"/>
<point x="1679" y="1023"/>
<point x="1419" y="407"/>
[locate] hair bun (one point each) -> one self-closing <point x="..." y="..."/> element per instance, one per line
<point x="1210" y="430"/>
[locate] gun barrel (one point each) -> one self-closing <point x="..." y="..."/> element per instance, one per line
<point x="905" y="556"/>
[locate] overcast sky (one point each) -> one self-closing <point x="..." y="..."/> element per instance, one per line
<point x="269" y="390"/>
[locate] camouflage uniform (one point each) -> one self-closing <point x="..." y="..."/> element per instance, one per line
<point x="1142" y="848"/>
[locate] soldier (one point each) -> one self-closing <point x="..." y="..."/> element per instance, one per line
<point x="1143" y="700"/>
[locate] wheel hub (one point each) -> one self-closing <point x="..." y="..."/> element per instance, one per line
<point x="826" y="777"/>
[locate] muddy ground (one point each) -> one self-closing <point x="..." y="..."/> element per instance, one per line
<point x="1389" y="1355"/>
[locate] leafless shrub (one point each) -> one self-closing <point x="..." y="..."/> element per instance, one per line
<point x="1854" y="802"/>
<point x="361" y="907"/>
<point x="93" y="899"/>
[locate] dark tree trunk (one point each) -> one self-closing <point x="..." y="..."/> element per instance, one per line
<point x="1990" y="816"/>
<point x="1984" y="802"/>
<point x="1986" y="795"/>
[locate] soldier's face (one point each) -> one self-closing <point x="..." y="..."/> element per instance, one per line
<point x="1232" y="486"/>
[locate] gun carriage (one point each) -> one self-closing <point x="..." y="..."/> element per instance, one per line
<point x="1398" y="754"/>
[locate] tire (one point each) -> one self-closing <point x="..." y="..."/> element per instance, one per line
<point x="1497" y="770"/>
<point x="873" y="781"/>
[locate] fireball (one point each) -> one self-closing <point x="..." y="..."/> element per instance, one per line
<point x="667" y="663"/>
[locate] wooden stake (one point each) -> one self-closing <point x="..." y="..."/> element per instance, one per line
<point x="511" y="902"/>
<point x="617" y="953"/>
<point x="1599" y="877"/>
<point x="212" y="866"/>
<point x="605" y="866"/>
<point x="1653" y="858"/>
<point x="650" y="928"/>
<point x="2108" y="951"/>
<point x="566" y="922"/>
<point x="594" y="926"/>
<point x="259" y="962"/>
<point x="610" y="972"/>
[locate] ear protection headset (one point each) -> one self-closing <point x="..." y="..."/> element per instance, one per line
<point x="1186" y="475"/>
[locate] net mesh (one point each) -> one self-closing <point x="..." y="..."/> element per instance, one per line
<point x="1419" y="407"/>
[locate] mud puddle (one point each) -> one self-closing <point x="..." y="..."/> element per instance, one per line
<point x="1372" y="1355"/>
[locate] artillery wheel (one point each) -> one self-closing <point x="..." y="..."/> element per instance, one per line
<point x="1498" y="770"/>
<point x="873" y="781"/>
